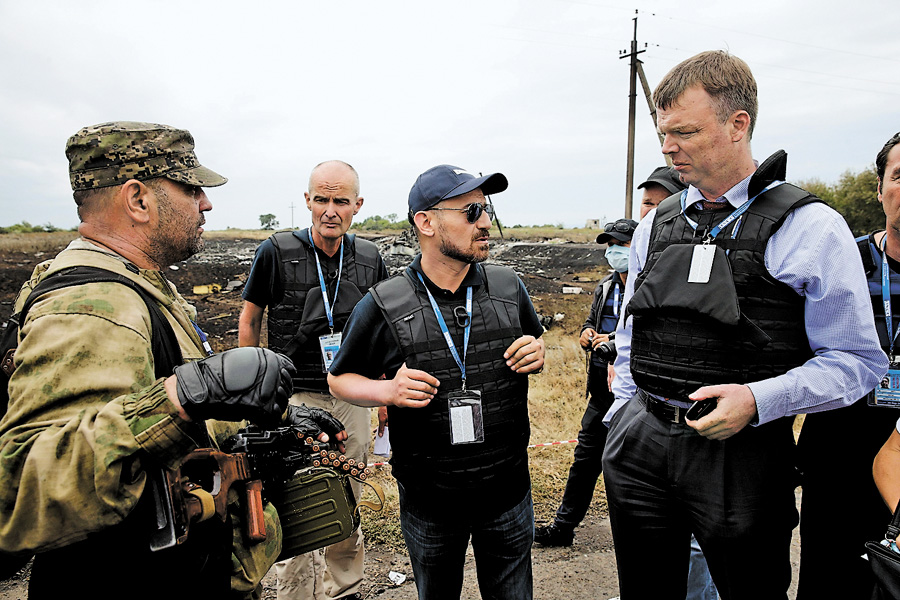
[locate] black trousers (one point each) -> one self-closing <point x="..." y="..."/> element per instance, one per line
<point x="588" y="463"/>
<point x="664" y="481"/>
<point x="841" y="508"/>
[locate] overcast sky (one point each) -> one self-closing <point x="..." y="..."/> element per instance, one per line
<point x="534" y="89"/>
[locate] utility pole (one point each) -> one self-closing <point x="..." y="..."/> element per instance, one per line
<point x="292" y="215"/>
<point x="649" y="96"/>
<point x="632" y="96"/>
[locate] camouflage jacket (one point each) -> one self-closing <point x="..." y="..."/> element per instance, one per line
<point x="85" y="409"/>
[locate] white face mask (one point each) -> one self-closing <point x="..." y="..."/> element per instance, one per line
<point x="617" y="257"/>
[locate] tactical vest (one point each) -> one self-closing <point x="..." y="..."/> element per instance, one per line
<point x="295" y="324"/>
<point x="871" y="259"/>
<point x="420" y="437"/>
<point x="742" y="326"/>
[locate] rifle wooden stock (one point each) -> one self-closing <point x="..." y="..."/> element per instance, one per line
<point x="198" y="490"/>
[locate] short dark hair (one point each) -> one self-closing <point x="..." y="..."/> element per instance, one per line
<point x="881" y="158"/>
<point x="725" y="77"/>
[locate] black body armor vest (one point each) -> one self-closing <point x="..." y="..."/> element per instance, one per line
<point x="295" y="324"/>
<point x="871" y="259"/>
<point x="420" y="437"/>
<point x="742" y="326"/>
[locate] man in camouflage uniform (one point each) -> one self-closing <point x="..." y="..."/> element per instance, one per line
<point x="89" y="422"/>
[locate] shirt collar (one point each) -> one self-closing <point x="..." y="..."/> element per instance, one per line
<point x="473" y="278"/>
<point x="736" y="196"/>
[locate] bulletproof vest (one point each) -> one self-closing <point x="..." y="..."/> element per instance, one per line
<point x="743" y="325"/>
<point x="295" y="324"/>
<point x="420" y="437"/>
<point x="872" y="263"/>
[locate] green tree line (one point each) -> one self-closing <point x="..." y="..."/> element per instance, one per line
<point x="26" y="227"/>
<point x="855" y="196"/>
<point x="379" y="223"/>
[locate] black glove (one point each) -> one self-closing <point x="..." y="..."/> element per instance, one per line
<point x="313" y="421"/>
<point x="243" y="383"/>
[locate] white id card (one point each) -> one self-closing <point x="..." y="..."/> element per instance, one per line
<point x="887" y="393"/>
<point x="466" y="425"/>
<point x="329" y="344"/>
<point x="701" y="263"/>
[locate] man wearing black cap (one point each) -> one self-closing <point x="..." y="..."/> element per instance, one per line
<point x="99" y="405"/>
<point x="455" y="341"/>
<point x="662" y="183"/>
<point x="601" y="321"/>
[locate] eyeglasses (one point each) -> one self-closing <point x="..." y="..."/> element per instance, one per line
<point x="473" y="211"/>
<point x="619" y="226"/>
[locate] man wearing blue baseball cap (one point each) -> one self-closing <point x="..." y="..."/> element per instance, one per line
<point x="455" y="340"/>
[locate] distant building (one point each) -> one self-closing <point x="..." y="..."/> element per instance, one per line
<point x="593" y="224"/>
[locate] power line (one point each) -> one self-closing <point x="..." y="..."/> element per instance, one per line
<point x="772" y="38"/>
<point x="757" y="72"/>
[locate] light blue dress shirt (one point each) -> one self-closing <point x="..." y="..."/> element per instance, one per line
<point x="815" y="254"/>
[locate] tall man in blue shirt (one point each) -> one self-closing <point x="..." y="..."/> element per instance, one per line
<point x="744" y="291"/>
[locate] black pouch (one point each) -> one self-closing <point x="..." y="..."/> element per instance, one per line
<point x="667" y="289"/>
<point x="885" y="563"/>
<point x="666" y="286"/>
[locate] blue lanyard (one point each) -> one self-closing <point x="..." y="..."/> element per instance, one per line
<point x="886" y="297"/>
<point x="203" y="339"/>
<point x="328" y="309"/>
<point x="440" y="318"/>
<point x="727" y="221"/>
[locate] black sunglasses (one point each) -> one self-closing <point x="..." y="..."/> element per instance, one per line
<point x="619" y="226"/>
<point x="473" y="211"/>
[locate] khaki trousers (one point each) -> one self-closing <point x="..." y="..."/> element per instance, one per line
<point x="335" y="570"/>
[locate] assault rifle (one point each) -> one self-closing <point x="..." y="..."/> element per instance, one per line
<point x="252" y="461"/>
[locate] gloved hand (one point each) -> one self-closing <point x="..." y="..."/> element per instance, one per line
<point x="313" y="421"/>
<point x="242" y="383"/>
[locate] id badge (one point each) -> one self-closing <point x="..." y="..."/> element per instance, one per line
<point x="466" y="424"/>
<point x="329" y="345"/>
<point x="887" y="392"/>
<point x="701" y="263"/>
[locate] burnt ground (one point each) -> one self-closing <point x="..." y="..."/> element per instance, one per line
<point x="585" y="570"/>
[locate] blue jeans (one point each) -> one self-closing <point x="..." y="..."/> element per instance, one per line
<point x="437" y="549"/>
<point x="700" y="585"/>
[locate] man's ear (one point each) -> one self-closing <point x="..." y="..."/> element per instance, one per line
<point x="424" y="223"/>
<point x="134" y="199"/>
<point x="880" y="199"/>
<point x="359" y="203"/>
<point x="740" y="125"/>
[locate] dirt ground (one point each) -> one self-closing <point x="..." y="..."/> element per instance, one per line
<point x="585" y="570"/>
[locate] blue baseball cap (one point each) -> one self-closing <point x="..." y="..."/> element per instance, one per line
<point x="446" y="181"/>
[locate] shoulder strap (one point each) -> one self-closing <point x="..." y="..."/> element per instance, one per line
<point x="366" y="251"/>
<point x="893" y="529"/>
<point x="502" y="282"/>
<point x="397" y="299"/>
<point x="166" y="351"/>
<point x="865" y="253"/>
<point x="668" y="208"/>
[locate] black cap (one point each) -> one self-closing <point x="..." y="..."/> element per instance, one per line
<point x="622" y="230"/>
<point x="666" y="177"/>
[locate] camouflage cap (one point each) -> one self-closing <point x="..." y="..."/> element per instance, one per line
<point x="112" y="153"/>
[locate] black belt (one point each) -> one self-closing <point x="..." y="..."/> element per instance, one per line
<point x="661" y="409"/>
